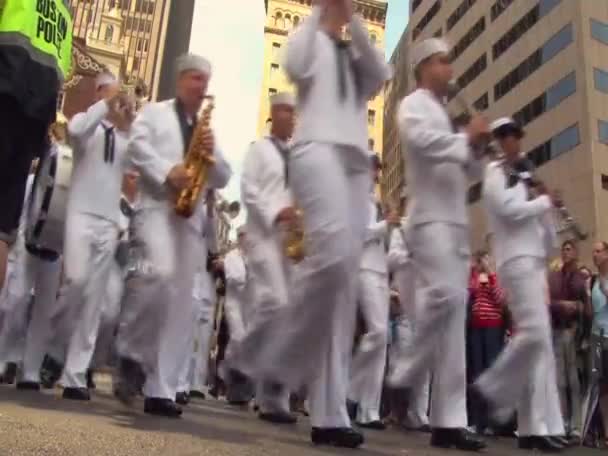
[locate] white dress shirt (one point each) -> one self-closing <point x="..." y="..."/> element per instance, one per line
<point x="398" y="253"/>
<point x="96" y="184"/>
<point x="263" y="189"/>
<point x="517" y="223"/>
<point x="311" y="65"/>
<point x="439" y="161"/>
<point x="156" y="147"/>
<point x="374" y="253"/>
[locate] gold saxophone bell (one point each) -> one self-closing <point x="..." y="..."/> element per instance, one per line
<point x="198" y="161"/>
<point x="294" y="239"/>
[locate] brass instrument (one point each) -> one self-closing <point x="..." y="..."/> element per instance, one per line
<point x="198" y="161"/>
<point x="293" y="243"/>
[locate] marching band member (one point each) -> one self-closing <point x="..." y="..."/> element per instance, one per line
<point x="404" y="278"/>
<point x="153" y="331"/>
<point x="438" y="161"/>
<point x="519" y="228"/>
<point x="369" y="361"/>
<point x="100" y="139"/>
<point x="329" y="178"/>
<point x="265" y="193"/>
<point x="238" y="311"/>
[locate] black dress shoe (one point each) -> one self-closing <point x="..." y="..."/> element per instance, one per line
<point x="10" y="374"/>
<point x="338" y="437"/>
<point x="28" y="386"/>
<point x="162" y="407"/>
<point x="374" y="425"/>
<point x="129" y="382"/>
<point x="76" y="394"/>
<point x="460" y="439"/>
<point x="90" y="381"/>
<point x="197" y="395"/>
<point x="278" y="417"/>
<point x="50" y="372"/>
<point x="182" y="398"/>
<point x="574" y="441"/>
<point x="541" y="443"/>
<point x="352" y="407"/>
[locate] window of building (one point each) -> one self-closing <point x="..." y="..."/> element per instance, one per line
<point x="498" y="8"/>
<point x="482" y="103"/>
<point x="438" y="33"/>
<point x="288" y="23"/>
<point x="599" y="31"/>
<point x="279" y="21"/>
<point x="565" y="141"/>
<point x="522" y="26"/>
<point x="604" y="182"/>
<point x="142" y="45"/>
<point x="525" y="69"/>
<point x="276" y="50"/>
<point x="373" y="38"/>
<point x="370" y="143"/>
<point x="468" y="38"/>
<point x="602" y="127"/>
<point x="109" y="34"/>
<point x="471" y="73"/>
<point x="296" y="21"/>
<point x="415" y="4"/>
<point x="601" y="80"/>
<point x="274" y="71"/>
<point x="124" y="4"/>
<point x="136" y="64"/>
<point x="459" y="12"/>
<point x="546" y="101"/>
<point x="428" y="17"/>
<point x="371" y="117"/>
<point x="272" y="92"/>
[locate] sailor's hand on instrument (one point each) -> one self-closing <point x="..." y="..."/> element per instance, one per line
<point x="208" y="142"/>
<point x="179" y="177"/>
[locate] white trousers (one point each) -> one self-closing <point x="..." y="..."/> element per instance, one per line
<point x="199" y="366"/>
<point x="313" y="336"/>
<point x="520" y="374"/>
<point x="369" y="362"/>
<point x="440" y="255"/>
<point x="90" y="246"/>
<point x="418" y="407"/>
<point x="157" y="311"/>
<point x="44" y="277"/>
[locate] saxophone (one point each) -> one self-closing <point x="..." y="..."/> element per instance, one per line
<point x="198" y="161"/>
<point x="293" y="243"/>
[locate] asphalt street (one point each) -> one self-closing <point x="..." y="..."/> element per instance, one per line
<point x="45" y="424"/>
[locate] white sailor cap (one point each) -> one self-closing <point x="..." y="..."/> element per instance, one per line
<point x="104" y="79"/>
<point x="505" y="125"/>
<point x="426" y="49"/>
<point x="282" y="98"/>
<point x="193" y="62"/>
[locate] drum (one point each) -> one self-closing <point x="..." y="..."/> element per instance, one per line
<point x="48" y="200"/>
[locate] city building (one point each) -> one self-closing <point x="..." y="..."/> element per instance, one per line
<point x="542" y="62"/>
<point x="282" y="16"/>
<point x="126" y="36"/>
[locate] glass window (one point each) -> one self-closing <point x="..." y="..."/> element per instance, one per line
<point x="371" y="117"/>
<point x="473" y="33"/>
<point x="545" y="6"/>
<point x="599" y="31"/>
<point x="602" y="126"/>
<point x="415" y="4"/>
<point x="274" y="70"/>
<point x="272" y="92"/>
<point x="498" y="8"/>
<point x="109" y="34"/>
<point x="564" y="141"/>
<point x="428" y="17"/>
<point x="482" y="103"/>
<point x="459" y="12"/>
<point x="560" y="90"/>
<point x="558" y="42"/>
<point x="276" y="48"/>
<point x="601" y="80"/>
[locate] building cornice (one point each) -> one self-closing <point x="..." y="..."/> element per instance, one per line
<point x="275" y="30"/>
<point x="371" y="10"/>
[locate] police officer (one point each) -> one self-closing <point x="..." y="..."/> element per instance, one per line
<point x="35" y="55"/>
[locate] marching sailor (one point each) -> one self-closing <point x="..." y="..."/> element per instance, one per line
<point x="153" y="331"/>
<point x="100" y="138"/>
<point x="439" y="161"/>
<point x="329" y="178"/>
<point x="265" y="193"/>
<point x="369" y="361"/>
<point x="520" y="219"/>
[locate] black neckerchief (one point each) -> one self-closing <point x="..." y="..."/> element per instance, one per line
<point x="186" y="128"/>
<point x="341" y="49"/>
<point x="284" y="152"/>
<point x="109" y="143"/>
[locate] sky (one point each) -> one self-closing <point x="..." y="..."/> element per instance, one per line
<point x="230" y="34"/>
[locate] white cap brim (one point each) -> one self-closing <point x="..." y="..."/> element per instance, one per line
<point x="193" y="62"/>
<point x="426" y="49"/>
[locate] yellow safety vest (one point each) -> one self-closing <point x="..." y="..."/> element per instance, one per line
<point x="42" y="27"/>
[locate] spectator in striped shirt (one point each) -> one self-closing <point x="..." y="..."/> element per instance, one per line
<point x="486" y="328"/>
